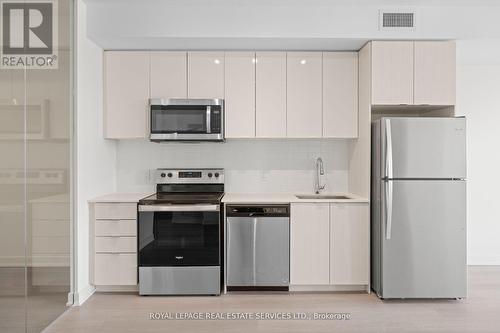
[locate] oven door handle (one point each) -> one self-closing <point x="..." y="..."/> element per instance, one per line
<point x="179" y="208"/>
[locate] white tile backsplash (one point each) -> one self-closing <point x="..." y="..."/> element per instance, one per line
<point x="250" y="165"/>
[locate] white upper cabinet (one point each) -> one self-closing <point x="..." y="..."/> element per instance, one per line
<point x="270" y="95"/>
<point x="349" y="243"/>
<point x="392" y="72"/>
<point x="168" y="74"/>
<point x="206" y="75"/>
<point x="309" y="244"/>
<point x="435" y="73"/>
<point x="340" y="94"/>
<point x="304" y="95"/>
<point x="240" y="94"/>
<point x="126" y="94"/>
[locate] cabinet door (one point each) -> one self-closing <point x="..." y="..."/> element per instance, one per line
<point x="309" y="244"/>
<point x="270" y="111"/>
<point x="349" y="243"/>
<point x="392" y="73"/>
<point x="206" y="75"/>
<point x="304" y="100"/>
<point x="126" y="94"/>
<point x="435" y="73"/>
<point x="240" y="94"/>
<point x="340" y="94"/>
<point x="168" y="75"/>
<point x="115" y="269"/>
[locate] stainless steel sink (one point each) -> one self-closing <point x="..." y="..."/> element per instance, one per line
<point x="320" y="196"/>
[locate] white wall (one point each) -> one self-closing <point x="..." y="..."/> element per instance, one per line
<point x="96" y="157"/>
<point x="478" y="98"/>
<point x="250" y="165"/>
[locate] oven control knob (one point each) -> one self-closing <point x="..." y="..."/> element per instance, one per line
<point x="162" y="175"/>
<point x="209" y="175"/>
<point x="216" y="174"/>
<point x="169" y="175"/>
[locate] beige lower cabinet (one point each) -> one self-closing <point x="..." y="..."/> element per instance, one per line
<point x="349" y="243"/>
<point x="115" y="269"/>
<point x="329" y="244"/>
<point x="309" y="244"/>
<point x="113" y="244"/>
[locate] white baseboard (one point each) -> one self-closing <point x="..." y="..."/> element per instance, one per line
<point x="107" y="289"/>
<point x="338" y="288"/>
<point x="82" y="295"/>
<point x="71" y="299"/>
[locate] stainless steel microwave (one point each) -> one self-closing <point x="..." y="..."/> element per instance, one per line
<point x="186" y="119"/>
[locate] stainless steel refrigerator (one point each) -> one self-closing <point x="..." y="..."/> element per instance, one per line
<point x="418" y="208"/>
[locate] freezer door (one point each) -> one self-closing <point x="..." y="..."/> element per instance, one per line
<point x="258" y="251"/>
<point x="424" y="253"/>
<point x="423" y="147"/>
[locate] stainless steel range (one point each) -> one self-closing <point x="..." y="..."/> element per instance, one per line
<point x="179" y="233"/>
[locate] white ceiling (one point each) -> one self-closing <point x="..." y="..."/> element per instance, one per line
<point x="278" y="24"/>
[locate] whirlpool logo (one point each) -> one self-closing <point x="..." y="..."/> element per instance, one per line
<point x="29" y="34"/>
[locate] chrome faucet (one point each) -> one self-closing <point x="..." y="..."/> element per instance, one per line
<point x="320" y="171"/>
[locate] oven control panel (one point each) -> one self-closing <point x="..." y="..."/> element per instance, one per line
<point x="193" y="176"/>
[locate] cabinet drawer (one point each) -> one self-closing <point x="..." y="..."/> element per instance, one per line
<point x="115" y="211"/>
<point x="116" y="244"/>
<point x="116" y="228"/>
<point x="115" y="269"/>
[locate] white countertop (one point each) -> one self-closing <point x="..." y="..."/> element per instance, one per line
<point x="120" y="197"/>
<point x="250" y="198"/>
<point x="270" y="198"/>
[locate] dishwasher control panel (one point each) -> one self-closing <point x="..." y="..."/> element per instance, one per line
<point x="258" y="210"/>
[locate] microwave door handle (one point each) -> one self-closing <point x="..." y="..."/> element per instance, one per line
<point x="209" y="114"/>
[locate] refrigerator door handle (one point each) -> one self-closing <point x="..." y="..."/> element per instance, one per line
<point x="254" y="250"/>
<point x="227" y="251"/>
<point x="388" y="154"/>
<point x="388" y="208"/>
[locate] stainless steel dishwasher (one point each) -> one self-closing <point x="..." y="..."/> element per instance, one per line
<point x="258" y="247"/>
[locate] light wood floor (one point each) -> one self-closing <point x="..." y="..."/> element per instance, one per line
<point x="124" y="313"/>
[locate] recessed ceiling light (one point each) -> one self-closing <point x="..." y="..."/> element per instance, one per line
<point x="217" y="61"/>
<point x="303" y="62"/>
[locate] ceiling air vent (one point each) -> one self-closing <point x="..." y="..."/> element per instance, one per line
<point x="397" y="20"/>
